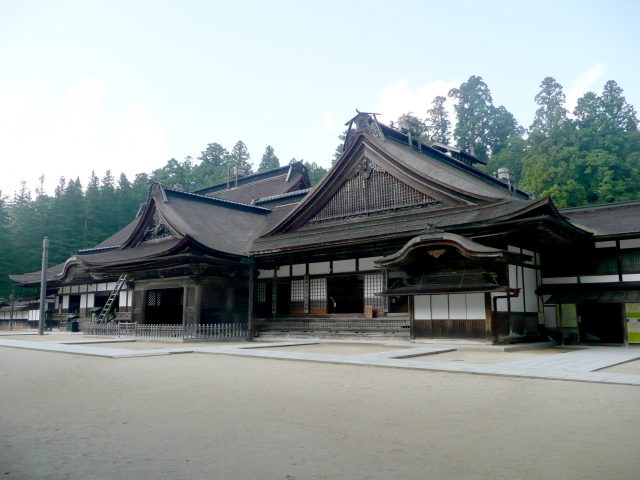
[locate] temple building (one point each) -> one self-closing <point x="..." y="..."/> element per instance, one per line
<point x="399" y="236"/>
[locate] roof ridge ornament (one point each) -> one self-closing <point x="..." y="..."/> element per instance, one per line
<point x="362" y="122"/>
<point x="431" y="228"/>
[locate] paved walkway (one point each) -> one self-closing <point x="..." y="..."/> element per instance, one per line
<point x="579" y="365"/>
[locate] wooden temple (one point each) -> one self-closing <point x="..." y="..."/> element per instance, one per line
<point x="398" y="231"/>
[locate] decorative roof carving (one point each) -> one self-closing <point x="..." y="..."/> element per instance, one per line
<point x="370" y="190"/>
<point x="158" y="229"/>
<point x="363" y="121"/>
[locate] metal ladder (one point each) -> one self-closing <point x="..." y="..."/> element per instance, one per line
<point x="114" y="293"/>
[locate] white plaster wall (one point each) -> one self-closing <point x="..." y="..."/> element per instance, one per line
<point x="440" y="307"/>
<point x="319" y="268"/>
<point x="422" y="307"/>
<point x="475" y="306"/>
<point x="344" y="266"/>
<point x="299" y="270"/>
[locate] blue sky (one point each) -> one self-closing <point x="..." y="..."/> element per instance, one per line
<point x="126" y="85"/>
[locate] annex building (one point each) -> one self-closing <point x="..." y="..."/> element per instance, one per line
<point x="399" y="236"/>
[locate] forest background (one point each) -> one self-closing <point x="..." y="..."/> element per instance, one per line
<point x="588" y="156"/>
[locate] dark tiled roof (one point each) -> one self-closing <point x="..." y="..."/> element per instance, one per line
<point x="261" y="185"/>
<point x="34" y="277"/>
<point x="607" y="219"/>
<point x="392" y="225"/>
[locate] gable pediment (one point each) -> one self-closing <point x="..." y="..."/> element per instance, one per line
<point x="371" y="190"/>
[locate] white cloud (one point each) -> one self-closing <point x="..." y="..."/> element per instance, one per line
<point x="396" y="100"/>
<point x="76" y="138"/>
<point x="581" y="85"/>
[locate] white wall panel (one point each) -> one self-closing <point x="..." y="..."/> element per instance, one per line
<point x="65" y="301"/>
<point x="91" y="300"/>
<point x="475" y="306"/>
<point x="631" y="277"/>
<point x="265" y="273"/>
<point x="343" y="266"/>
<point x="599" y="278"/>
<point x="532" y="254"/>
<point x="122" y="302"/>
<point x="440" y="307"/>
<point x="299" y="270"/>
<point x="530" y="286"/>
<point x="422" y="307"/>
<point x="632" y="243"/>
<point x="608" y="244"/>
<point x="284" y="271"/>
<point x="550" y="320"/>
<point x="457" y="306"/>
<point x="367" y="263"/>
<point x="319" y="268"/>
<point x="101" y="287"/>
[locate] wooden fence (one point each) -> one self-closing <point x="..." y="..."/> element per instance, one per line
<point x="351" y="326"/>
<point x="226" y="330"/>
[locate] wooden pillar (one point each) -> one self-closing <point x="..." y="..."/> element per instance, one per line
<point x="138" y="307"/>
<point x="306" y="294"/>
<point x="560" y="323"/>
<point x="252" y="283"/>
<point x="488" y="316"/>
<point x="191" y="304"/>
<point x="412" y="319"/>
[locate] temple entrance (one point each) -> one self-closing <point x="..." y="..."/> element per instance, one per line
<point x="345" y="294"/>
<point x="164" y="306"/>
<point x="600" y="322"/>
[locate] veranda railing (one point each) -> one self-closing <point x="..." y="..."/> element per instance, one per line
<point x="227" y="330"/>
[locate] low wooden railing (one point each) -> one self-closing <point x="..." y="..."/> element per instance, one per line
<point x="227" y="330"/>
<point x="352" y="326"/>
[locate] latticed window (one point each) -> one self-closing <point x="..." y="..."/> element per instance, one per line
<point x="376" y="191"/>
<point x="631" y="262"/>
<point x="373" y="284"/>
<point x="318" y="294"/>
<point x="153" y="298"/>
<point x="262" y="292"/>
<point x="297" y="295"/>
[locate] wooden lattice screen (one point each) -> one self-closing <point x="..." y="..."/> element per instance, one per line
<point x="372" y="191"/>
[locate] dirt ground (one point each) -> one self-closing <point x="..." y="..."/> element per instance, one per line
<point x="489" y="357"/>
<point x="226" y="417"/>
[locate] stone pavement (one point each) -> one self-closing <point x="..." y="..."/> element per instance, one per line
<point x="582" y="364"/>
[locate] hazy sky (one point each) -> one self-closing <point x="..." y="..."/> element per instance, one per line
<point x="126" y="85"/>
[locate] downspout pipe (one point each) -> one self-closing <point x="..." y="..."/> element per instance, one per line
<point x="494" y="326"/>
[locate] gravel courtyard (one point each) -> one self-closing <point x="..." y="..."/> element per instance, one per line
<point x="226" y="417"/>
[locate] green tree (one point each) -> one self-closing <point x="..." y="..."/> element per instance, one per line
<point x="437" y="122"/>
<point x="239" y="158"/>
<point x="315" y="172"/>
<point x="473" y="109"/>
<point x="551" y="114"/>
<point x="269" y="160"/>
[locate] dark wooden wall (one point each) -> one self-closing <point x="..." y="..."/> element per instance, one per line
<point x="450" y="328"/>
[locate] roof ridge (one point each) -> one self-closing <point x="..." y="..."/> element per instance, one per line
<point x="221" y="184"/>
<point x="230" y="203"/>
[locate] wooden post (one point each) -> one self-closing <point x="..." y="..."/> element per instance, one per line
<point x="488" y="315"/>
<point x="43" y="284"/>
<point x="561" y="323"/>
<point x="412" y="318"/>
<point x="250" y="312"/>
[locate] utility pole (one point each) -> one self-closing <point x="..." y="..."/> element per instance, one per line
<point x="43" y="284"/>
<point x="13" y="300"/>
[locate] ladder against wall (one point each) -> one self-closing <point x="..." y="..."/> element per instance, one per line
<point x="114" y="293"/>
